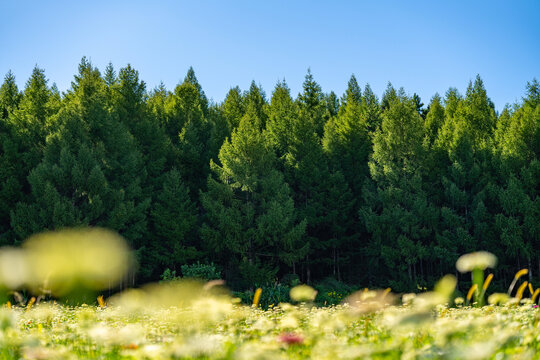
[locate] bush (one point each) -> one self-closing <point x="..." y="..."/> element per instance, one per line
<point x="290" y="280"/>
<point x="271" y="295"/>
<point x="331" y="291"/>
<point x="201" y="271"/>
<point x="169" y="275"/>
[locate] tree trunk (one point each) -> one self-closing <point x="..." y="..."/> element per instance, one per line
<point x="530" y="268"/>
<point x="334" y="261"/>
<point x="422" y="270"/>
<point x="308" y="271"/>
<point x="338" y="270"/>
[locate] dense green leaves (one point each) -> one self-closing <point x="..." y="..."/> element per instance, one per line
<point x="383" y="192"/>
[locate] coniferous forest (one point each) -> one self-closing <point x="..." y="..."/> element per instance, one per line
<point x="369" y="191"/>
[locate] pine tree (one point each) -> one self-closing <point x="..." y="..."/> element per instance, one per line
<point x="190" y="132"/>
<point x="256" y="98"/>
<point x="332" y="106"/>
<point x="10" y="181"/>
<point x="26" y="130"/>
<point x="282" y="112"/>
<point x="9" y="96"/>
<point x="233" y="107"/>
<point x="419" y="105"/>
<point x="397" y="212"/>
<point x="434" y="118"/>
<point x="311" y="103"/>
<point x="192" y="79"/>
<point x="389" y="95"/>
<point x="353" y="92"/>
<point x="346" y="140"/>
<point x="372" y="109"/>
<point x="250" y="216"/>
<point x="173" y="223"/>
<point x="90" y="170"/>
<point x="128" y="106"/>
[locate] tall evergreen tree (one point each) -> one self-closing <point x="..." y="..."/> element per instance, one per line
<point x="9" y="96"/>
<point x="173" y="221"/>
<point x="346" y="140"/>
<point x="282" y="112"/>
<point x="23" y="142"/>
<point x="233" y="107"/>
<point x="372" y="109"/>
<point x="397" y="212"/>
<point x="90" y="172"/>
<point x="256" y="98"/>
<point x="250" y="216"/>
<point x="434" y="118"/>
<point x="311" y="103"/>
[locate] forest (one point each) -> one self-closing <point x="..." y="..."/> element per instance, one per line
<point x="370" y="191"/>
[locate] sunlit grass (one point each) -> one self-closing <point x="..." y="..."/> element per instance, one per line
<point x="194" y="320"/>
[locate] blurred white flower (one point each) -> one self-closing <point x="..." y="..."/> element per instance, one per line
<point x="476" y="260"/>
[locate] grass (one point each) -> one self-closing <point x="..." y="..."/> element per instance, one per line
<point x="191" y="320"/>
<point x="207" y="324"/>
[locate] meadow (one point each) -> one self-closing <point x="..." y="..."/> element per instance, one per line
<point x="52" y="310"/>
<point x="187" y="321"/>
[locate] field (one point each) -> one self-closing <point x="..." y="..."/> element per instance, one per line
<point x="191" y="319"/>
<point x="188" y="320"/>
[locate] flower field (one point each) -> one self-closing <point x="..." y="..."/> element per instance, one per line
<point x="190" y="319"/>
<point x="186" y="320"/>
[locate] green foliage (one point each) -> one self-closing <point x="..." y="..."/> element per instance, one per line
<point x="169" y="275"/>
<point x="201" y="271"/>
<point x="197" y="270"/>
<point x="331" y="291"/>
<point x="271" y="296"/>
<point x="249" y="212"/>
<point x="369" y="192"/>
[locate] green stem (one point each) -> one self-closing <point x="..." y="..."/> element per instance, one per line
<point x="478" y="279"/>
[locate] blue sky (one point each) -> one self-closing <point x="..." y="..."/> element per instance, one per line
<point x="425" y="46"/>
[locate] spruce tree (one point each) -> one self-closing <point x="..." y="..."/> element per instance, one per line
<point x="250" y="215"/>
<point x="173" y="220"/>
<point x="233" y="107"/>
<point x="311" y="103"/>
<point x="26" y="130"/>
<point x="9" y="96"/>
<point x="397" y="212"/>
<point x="282" y="112"/>
<point x="346" y="140"/>
<point x="90" y="172"/>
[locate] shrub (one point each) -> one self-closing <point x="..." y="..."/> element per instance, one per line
<point x="331" y="291"/>
<point x="169" y="275"/>
<point x="201" y="271"/>
<point x="271" y="295"/>
<point x="290" y="280"/>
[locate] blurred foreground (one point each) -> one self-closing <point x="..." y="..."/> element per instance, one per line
<point x="196" y="320"/>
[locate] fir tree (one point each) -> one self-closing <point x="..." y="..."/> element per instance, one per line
<point x="250" y="214"/>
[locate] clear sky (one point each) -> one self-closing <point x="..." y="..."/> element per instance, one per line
<point x="425" y="47"/>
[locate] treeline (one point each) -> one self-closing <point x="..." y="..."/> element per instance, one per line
<point x="373" y="192"/>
